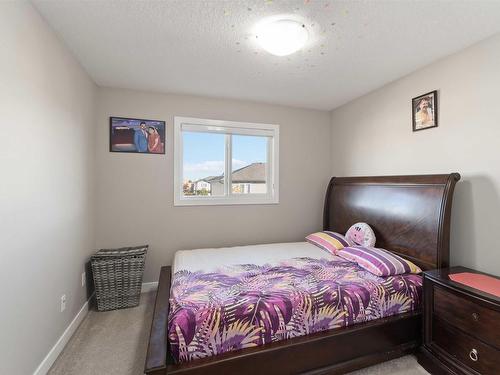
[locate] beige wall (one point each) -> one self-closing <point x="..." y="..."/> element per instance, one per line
<point x="372" y="136"/>
<point x="135" y="192"/>
<point x="46" y="199"/>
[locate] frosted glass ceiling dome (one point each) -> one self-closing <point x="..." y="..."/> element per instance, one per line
<point x="282" y="37"/>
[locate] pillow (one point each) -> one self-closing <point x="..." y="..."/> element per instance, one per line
<point x="361" y="234"/>
<point x="380" y="262"/>
<point x="329" y="241"/>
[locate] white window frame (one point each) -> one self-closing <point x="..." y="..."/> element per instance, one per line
<point x="228" y="128"/>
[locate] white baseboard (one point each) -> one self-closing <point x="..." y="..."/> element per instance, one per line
<point x="49" y="360"/>
<point x="149" y="287"/>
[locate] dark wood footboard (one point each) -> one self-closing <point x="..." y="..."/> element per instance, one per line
<point x="156" y="358"/>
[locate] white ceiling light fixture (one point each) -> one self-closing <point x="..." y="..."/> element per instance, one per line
<point x="282" y="37"/>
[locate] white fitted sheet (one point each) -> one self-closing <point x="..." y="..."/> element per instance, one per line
<point x="211" y="259"/>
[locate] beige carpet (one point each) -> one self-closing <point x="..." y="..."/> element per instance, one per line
<point x="114" y="343"/>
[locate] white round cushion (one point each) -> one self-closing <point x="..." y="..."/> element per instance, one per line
<point x="361" y="234"/>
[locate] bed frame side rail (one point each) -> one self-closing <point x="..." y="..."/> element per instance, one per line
<point x="156" y="357"/>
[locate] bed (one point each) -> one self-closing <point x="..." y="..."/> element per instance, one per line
<point x="411" y="218"/>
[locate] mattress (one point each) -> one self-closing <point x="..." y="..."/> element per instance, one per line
<point x="228" y="299"/>
<point x="212" y="259"/>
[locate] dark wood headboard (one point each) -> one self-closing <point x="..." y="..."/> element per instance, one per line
<point x="410" y="215"/>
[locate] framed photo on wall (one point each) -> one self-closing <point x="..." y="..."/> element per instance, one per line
<point x="425" y="111"/>
<point x="136" y="135"/>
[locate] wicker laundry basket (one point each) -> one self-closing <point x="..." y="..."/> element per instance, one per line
<point x="118" y="276"/>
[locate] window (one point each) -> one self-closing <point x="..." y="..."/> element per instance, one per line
<point x="225" y="162"/>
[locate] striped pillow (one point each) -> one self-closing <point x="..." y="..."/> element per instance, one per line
<point x="329" y="241"/>
<point x="380" y="262"/>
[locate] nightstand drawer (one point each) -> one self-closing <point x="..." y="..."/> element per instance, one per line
<point x="466" y="349"/>
<point x="470" y="317"/>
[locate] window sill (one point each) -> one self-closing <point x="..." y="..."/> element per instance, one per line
<point x="224" y="201"/>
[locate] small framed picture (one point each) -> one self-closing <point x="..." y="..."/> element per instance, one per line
<point x="425" y="111"/>
<point x="136" y="135"/>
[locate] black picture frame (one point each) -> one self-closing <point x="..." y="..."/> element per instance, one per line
<point x="129" y="125"/>
<point x="415" y="103"/>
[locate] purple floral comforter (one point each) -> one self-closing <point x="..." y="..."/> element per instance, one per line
<point x="248" y="305"/>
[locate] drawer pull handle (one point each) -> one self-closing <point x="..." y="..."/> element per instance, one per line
<point x="473" y="355"/>
<point x="475" y="317"/>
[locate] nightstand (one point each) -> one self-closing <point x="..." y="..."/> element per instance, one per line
<point x="461" y="327"/>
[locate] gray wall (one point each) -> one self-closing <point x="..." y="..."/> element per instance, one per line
<point x="135" y="192"/>
<point x="46" y="190"/>
<point x="372" y="136"/>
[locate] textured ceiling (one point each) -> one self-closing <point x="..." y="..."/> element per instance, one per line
<point x="208" y="47"/>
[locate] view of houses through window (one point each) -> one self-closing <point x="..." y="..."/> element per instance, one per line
<point x="204" y="160"/>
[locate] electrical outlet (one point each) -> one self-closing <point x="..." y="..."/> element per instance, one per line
<point x="63" y="302"/>
<point x="84" y="278"/>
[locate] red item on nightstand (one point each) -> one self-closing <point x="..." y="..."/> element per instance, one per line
<point x="484" y="283"/>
